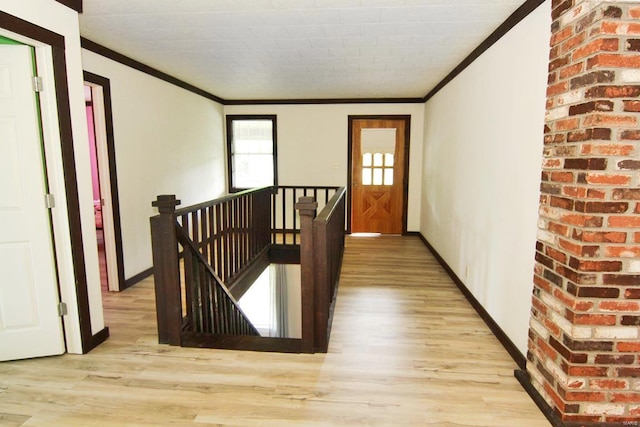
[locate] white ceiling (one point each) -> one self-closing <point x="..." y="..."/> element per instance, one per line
<point x="298" y="49"/>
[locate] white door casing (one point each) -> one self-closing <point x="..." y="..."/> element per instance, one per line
<point x="29" y="322"/>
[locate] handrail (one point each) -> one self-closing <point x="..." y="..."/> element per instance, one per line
<point x="332" y="205"/>
<point x="221" y="200"/>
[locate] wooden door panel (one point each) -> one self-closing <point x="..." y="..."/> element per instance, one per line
<point x="378" y="175"/>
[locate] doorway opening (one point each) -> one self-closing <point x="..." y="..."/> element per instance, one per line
<point x="104" y="182"/>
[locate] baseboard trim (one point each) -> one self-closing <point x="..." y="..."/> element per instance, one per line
<point x="137" y="278"/>
<point x="506" y="342"/>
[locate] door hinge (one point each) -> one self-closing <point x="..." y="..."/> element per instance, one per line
<point x="62" y="309"/>
<point x="37" y="84"/>
<point x="50" y="201"/>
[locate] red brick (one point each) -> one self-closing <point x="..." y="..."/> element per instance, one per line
<point x="614" y="359"/>
<point x="632" y="106"/>
<point x="593" y="291"/>
<point x="557" y="255"/>
<point x="628" y="91"/>
<point x="621" y="279"/>
<point x="560" y="7"/>
<point x="626" y="397"/>
<point x="608" y="149"/>
<point x="629" y="135"/>
<point x="613" y="60"/>
<point x="574" y="41"/>
<point x="628" y="347"/>
<point x="634" y="12"/>
<point x="577" y="192"/>
<point x="622" y="251"/>
<point x="588" y="371"/>
<point x="595" y="319"/>
<point x="567" y="124"/>
<point x="552" y="163"/>
<point x="608" y="179"/>
<point x="558" y="62"/>
<point x="601" y="207"/>
<point x="561" y="202"/>
<point x="571" y="70"/>
<point x="582" y="220"/>
<point x="559" y="403"/>
<point x="552" y="327"/>
<point x="542" y="283"/>
<point x="626" y="194"/>
<point x="600" y="236"/>
<point x="595" y="46"/>
<point x="557" y="88"/>
<point x="547" y="349"/>
<point x="584" y="396"/>
<point x="632" y="293"/>
<point x="609" y="120"/>
<point x="630" y="320"/>
<point x="619" y="306"/>
<point x="562" y="176"/>
<point x="585" y="163"/>
<point x="636" y="237"/>
<point x="624" y="221"/>
<point x="599" y="266"/>
<point x="561" y="35"/>
<point x="609" y="384"/>
<point x="623" y="372"/>
<point x="595" y="134"/>
<point x="593" y="193"/>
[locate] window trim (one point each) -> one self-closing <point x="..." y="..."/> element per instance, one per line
<point x="229" y="130"/>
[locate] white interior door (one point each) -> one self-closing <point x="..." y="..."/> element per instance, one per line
<point x="29" y="321"/>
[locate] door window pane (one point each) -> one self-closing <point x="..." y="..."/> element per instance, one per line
<point x="366" y="159"/>
<point x="377" y="176"/>
<point x="388" y="177"/>
<point x="366" y="176"/>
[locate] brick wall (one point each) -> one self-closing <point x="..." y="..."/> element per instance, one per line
<point x="584" y="344"/>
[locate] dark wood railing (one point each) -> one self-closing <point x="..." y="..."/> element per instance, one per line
<point x="230" y="232"/>
<point x="209" y="306"/>
<point x="285" y="226"/>
<point x="229" y="241"/>
<point x="321" y="259"/>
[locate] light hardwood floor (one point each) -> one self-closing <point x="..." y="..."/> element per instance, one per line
<point x="406" y="350"/>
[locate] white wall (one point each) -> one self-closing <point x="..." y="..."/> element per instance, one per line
<point x="64" y="21"/>
<point x="314" y="138"/>
<point x="167" y="141"/>
<point x="481" y="171"/>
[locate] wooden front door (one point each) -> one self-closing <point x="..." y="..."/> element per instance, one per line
<point x="379" y="159"/>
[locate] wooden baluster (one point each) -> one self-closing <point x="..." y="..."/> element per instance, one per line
<point x="210" y="242"/>
<point x="307" y="209"/>
<point x="166" y="270"/>
<point x="219" y="266"/>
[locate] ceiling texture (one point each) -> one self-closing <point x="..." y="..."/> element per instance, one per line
<point x="298" y="49"/>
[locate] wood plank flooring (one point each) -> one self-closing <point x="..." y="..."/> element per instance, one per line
<point x="406" y="350"/>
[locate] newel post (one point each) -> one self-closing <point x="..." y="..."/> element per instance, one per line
<point x="307" y="208"/>
<point x="166" y="269"/>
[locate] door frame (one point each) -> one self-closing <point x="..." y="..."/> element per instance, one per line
<point x="106" y="142"/>
<point x="69" y="247"/>
<point x="405" y="179"/>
